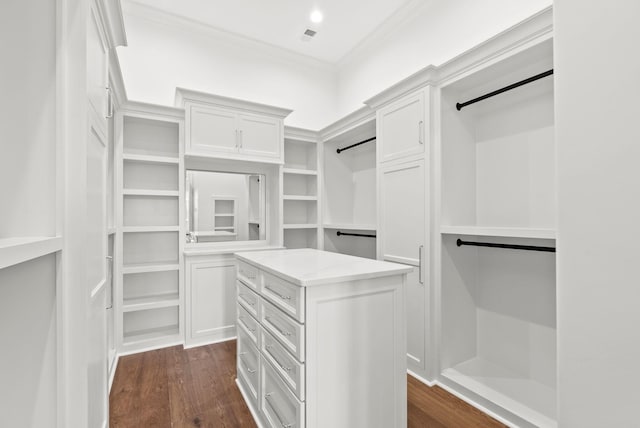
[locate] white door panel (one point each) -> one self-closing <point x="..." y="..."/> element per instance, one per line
<point x="401" y="128"/>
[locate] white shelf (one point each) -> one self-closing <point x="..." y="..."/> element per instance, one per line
<point x="139" y="336"/>
<point x="507" y="389"/>
<point x="299" y="226"/>
<point x="138" y="229"/>
<point x="151" y="302"/>
<point x="224" y="215"/>
<point x="148" y="192"/>
<point x="149" y="267"/>
<point x="507" y="232"/>
<point x="222" y="228"/>
<point x="299" y="198"/>
<point x="298" y="171"/>
<point x="19" y="250"/>
<point x="150" y="159"/>
<point x="350" y="226"/>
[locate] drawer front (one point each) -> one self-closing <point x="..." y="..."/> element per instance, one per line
<point x="286" y="330"/>
<point x="285" y="295"/>
<point x="248" y="299"/>
<point x="278" y="405"/>
<point x="248" y="364"/>
<point x="248" y="274"/>
<point x="248" y="324"/>
<point x="289" y="369"/>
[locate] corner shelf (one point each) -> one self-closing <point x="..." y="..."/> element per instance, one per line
<point x="22" y="249"/>
<point x="150" y="158"/>
<point x="506" y="232"/>
<point x="150" y="302"/>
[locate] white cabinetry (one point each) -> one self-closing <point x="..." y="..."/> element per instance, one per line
<point x="210" y="304"/>
<point x="231" y="129"/>
<point x="299" y="341"/>
<point x="402" y="127"/>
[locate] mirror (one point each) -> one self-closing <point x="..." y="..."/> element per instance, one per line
<point x="224" y="206"/>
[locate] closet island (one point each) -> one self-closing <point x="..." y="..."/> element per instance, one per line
<point x="321" y="339"/>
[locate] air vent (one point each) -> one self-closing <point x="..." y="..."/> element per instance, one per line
<point x="308" y="34"/>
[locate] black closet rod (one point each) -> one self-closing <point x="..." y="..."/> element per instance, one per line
<point x="355" y="234"/>
<point x="354" y="145"/>
<point x="505" y="89"/>
<point x="460" y="242"/>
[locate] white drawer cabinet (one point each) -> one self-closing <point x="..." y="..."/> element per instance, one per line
<point x="232" y="129"/>
<point x="331" y="334"/>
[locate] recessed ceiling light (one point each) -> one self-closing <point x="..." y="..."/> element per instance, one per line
<point x="316" y="16"/>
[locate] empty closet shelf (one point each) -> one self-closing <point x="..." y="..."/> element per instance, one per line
<point x="299" y="198"/>
<point x="150" y="302"/>
<point x="149" y="192"/>
<point x="150" y="159"/>
<point x="149" y="267"/>
<point x="350" y="226"/>
<point x="299" y="226"/>
<point x="22" y="249"/>
<point x="297" y="171"/>
<point x="506" y="232"/>
<point x="141" y="229"/>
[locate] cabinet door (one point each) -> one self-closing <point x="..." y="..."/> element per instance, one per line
<point x="402" y="239"/>
<point x="260" y="136"/>
<point x="211" y="130"/>
<point x="401" y="127"/>
<point x="210" y="301"/>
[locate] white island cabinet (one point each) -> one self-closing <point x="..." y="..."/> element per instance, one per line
<point x="321" y="339"/>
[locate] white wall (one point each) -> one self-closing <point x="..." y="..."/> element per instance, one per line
<point x="438" y="32"/>
<point x="598" y="142"/>
<point x="163" y="56"/>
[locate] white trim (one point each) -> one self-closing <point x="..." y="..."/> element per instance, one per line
<point x="301" y="134"/>
<point x="113" y="22"/>
<point x="22" y="249"/>
<point x="418" y="80"/>
<point x="429" y="383"/>
<point x="152" y="111"/>
<point x="204" y="342"/>
<point x="113" y="369"/>
<point x="254" y="414"/>
<point x="351" y="121"/>
<point x="184" y="96"/>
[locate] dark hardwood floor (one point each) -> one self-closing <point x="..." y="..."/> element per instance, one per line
<point x="175" y="387"/>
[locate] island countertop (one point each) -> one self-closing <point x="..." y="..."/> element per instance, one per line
<point x="307" y="267"/>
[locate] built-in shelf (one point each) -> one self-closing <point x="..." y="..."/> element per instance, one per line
<point x="22" y="249"/>
<point x="151" y="302"/>
<point x="150" y="159"/>
<point x="350" y="226"/>
<point x="149" y="267"/>
<point x="506" y="389"/>
<point x="224" y="228"/>
<point x="138" y="229"/>
<point x="506" y="232"/>
<point x="299" y="198"/>
<point x="224" y="215"/>
<point x="299" y="226"/>
<point x="148" y="192"/>
<point x="298" y="171"/>
<point x="165" y="333"/>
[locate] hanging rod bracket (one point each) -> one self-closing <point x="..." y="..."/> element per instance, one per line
<point x="460" y="242"/>
<point x="459" y="106"/>
<point x="354" y="145"/>
<point x="363" y="235"/>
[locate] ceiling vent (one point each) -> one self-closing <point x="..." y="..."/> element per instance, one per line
<point x="308" y="35"/>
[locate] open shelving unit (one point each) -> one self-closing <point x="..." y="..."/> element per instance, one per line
<point x="300" y="189"/>
<point x="350" y="191"/>
<point x="151" y="239"/>
<point x="497" y="259"/>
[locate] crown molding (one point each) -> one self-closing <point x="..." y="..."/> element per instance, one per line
<point x="347" y="123"/>
<point x="532" y="31"/>
<point x="112" y="19"/>
<point x="187" y="95"/>
<point x="158" y="16"/>
<point x="116" y="82"/>
<point x="301" y="134"/>
<point x="425" y="77"/>
<point x="141" y="108"/>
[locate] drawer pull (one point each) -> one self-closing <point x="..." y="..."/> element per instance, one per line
<point x="246" y="366"/>
<point x="283" y="424"/>
<point x="252" y="330"/>
<point x="243" y="298"/>
<point x="282" y="332"/>
<point x="278" y="294"/>
<point x="285" y="368"/>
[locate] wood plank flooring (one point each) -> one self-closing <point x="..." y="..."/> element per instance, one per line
<point x="176" y="387"/>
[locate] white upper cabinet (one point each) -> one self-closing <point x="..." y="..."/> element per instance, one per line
<point x="402" y="127"/>
<point x="232" y="129"/>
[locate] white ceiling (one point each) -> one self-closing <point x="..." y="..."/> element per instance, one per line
<point x="282" y="22"/>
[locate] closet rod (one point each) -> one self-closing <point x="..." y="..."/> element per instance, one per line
<point x="505" y="89"/>
<point x="460" y="242"/>
<point x="355" y="234"/>
<point x="354" y="145"/>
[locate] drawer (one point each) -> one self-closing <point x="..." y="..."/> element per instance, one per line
<point x="248" y="324"/>
<point x="248" y="299"/>
<point x="289" y="332"/>
<point x="248" y="364"/>
<point x="248" y="274"/>
<point x="289" y="369"/>
<point x="278" y="405"/>
<point x="285" y="295"/>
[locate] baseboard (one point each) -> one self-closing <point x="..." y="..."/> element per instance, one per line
<point x="254" y="413"/>
<point x="421" y="379"/>
<point x="114" y="367"/>
<point x="209" y="342"/>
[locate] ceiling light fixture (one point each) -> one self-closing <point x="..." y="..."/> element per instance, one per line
<point x="316" y="16"/>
